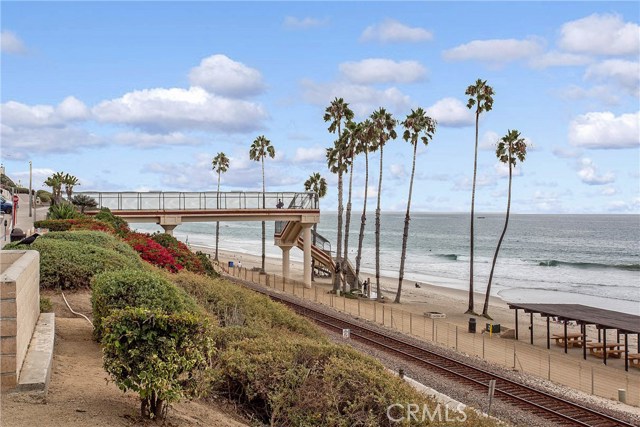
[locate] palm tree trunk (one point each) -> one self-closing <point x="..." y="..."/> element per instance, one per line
<point x="363" y="218"/>
<point x="313" y="261"/>
<point x="473" y="201"/>
<point x="264" y="231"/>
<point x="407" y="218"/>
<point x="347" y="224"/>
<point x="485" y="309"/>
<point x="217" y="222"/>
<point x="336" y="278"/>
<point x="378" y="295"/>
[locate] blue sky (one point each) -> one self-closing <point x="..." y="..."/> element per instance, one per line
<point x="141" y="96"/>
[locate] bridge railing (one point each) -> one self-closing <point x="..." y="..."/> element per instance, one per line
<point x="202" y="200"/>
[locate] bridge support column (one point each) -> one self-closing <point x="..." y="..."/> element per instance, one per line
<point x="306" y="230"/>
<point x="168" y="229"/>
<point x="285" y="261"/>
<point x="169" y="223"/>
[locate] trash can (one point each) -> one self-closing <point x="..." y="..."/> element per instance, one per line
<point x="494" y="328"/>
<point x="17" y="234"/>
<point x="230" y="264"/>
<point x="472" y="325"/>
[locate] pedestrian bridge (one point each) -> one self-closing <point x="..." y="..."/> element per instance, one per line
<point x="293" y="211"/>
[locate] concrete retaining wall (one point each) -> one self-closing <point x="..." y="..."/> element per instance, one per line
<point x="19" y="310"/>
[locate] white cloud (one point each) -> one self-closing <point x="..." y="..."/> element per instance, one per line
<point x="605" y="130"/>
<point x="38" y="176"/>
<point x="392" y="31"/>
<point x="313" y="154"/>
<point x="503" y="170"/>
<point x="362" y="99"/>
<point x="488" y="141"/>
<point x="451" y="112"/>
<point x="559" y="59"/>
<point x="497" y="51"/>
<point x="293" y="23"/>
<point x="221" y="75"/>
<point x="603" y="93"/>
<point x="397" y="170"/>
<point x="149" y="140"/>
<point x="597" y="34"/>
<point x="609" y="190"/>
<point x="25" y="142"/>
<point x="482" y="180"/>
<point x="566" y="153"/>
<point x="17" y="115"/>
<point x="378" y="70"/>
<point x="589" y="175"/>
<point x="621" y="206"/>
<point x="173" y="109"/>
<point x="624" y="73"/>
<point x="10" y="43"/>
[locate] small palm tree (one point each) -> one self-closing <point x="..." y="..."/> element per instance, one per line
<point x="84" y="201"/>
<point x="219" y="164"/>
<point x="318" y="185"/>
<point x="511" y="148"/>
<point x="416" y="124"/>
<point x="335" y="113"/>
<point x="55" y="181"/>
<point x="480" y="95"/>
<point x="69" y="182"/>
<point x="368" y="136"/>
<point x="384" y="125"/>
<point x="260" y="149"/>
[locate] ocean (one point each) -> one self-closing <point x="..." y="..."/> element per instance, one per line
<point x="582" y="259"/>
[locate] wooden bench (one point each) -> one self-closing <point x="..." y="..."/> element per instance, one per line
<point x="573" y="340"/>
<point x="598" y="349"/>
<point x="634" y="359"/>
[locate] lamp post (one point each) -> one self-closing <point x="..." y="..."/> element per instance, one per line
<point x="30" y="190"/>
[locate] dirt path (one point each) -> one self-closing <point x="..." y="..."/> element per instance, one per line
<point x="79" y="394"/>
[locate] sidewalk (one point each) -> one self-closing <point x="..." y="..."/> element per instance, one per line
<point x="23" y="221"/>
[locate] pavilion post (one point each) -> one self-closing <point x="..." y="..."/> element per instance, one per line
<point x="584" y="341"/>
<point x="604" y="343"/>
<point x="517" y="330"/>
<point x="599" y="335"/>
<point x="626" y="351"/>
<point x="531" y="326"/>
<point x="565" y="336"/>
<point x="548" y="338"/>
<point x="638" y="342"/>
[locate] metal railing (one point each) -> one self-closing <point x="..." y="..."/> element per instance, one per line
<point x="202" y="200"/>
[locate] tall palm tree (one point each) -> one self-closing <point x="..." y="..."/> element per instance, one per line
<point x="318" y="185"/>
<point x="416" y="124"/>
<point x="69" y="182"/>
<point x="352" y="136"/>
<point x="219" y="164"/>
<point x="335" y="113"/>
<point x="260" y="149"/>
<point x="339" y="165"/>
<point x="368" y="136"/>
<point x="480" y="95"/>
<point x="55" y="181"/>
<point x="511" y="148"/>
<point x="384" y="125"/>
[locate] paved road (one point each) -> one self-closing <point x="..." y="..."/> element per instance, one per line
<point x="23" y="221"/>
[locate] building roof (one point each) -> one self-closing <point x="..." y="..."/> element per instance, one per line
<point x="608" y="319"/>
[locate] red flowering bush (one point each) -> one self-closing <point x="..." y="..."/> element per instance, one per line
<point x="180" y="252"/>
<point x="153" y="252"/>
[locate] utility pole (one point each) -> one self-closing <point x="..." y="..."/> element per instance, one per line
<point x="30" y="190"/>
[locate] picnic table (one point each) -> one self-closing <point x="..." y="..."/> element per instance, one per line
<point x="574" y="339"/>
<point x="634" y="359"/>
<point x="613" y="349"/>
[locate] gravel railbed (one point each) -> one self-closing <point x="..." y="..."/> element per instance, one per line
<point x="476" y="399"/>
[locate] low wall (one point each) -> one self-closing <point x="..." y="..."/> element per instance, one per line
<point x="19" y="310"/>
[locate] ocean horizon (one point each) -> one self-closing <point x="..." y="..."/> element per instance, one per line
<point x="590" y="259"/>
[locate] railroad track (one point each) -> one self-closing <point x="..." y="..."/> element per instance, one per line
<point x="547" y="406"/>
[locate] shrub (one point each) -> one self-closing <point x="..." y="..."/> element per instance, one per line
<point x="180" y="252"/>
<point x="62" y="210"/>
<point x="84" y="202"/>
<point x="22" y="190"/>
<point x="45" y="305"/>
<point x="71" y="265"/>
<point x="45" y="196"/>
<point x="207" y="265"/>
<point x="81" y="223"/>
<point x="120" y="226"/>
<point x="134" y="288"/>
<point x="53" y="225"/>
<point x="96" y="238"/>
<point x="157" y="355"/>
<point x="152" y="252"/>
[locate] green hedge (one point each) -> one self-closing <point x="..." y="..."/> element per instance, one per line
<point x="71" y="265"/>
<point x="113" y="290"/>
<point x="53" y="225"/>
<point x="95" y="238"/>
<point x="120" y="225"/>
<point x="158" y="355"/>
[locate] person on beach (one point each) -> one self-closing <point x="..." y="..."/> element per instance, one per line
<point x="239" y="264"/>
<point x="417" y="286"/>
<point x="280" y="205"/>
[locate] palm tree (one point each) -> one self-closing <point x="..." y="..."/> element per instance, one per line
<point x="335" y="113"/>
<point x="365" y="144"/>
<point x="352" y="136"/>
<point x="69" y="182"/>
<point x="318" y="185"/>
<point x="480" y="95"/>
<point x="84" y="202"/>
<point x="384" y="125"/>
<point x="260" y="149"/>
<point x="55" y="181"/>
<point x="416" y="124"/>
<point x="219" y="164"/>
<point x="511" y="148"/>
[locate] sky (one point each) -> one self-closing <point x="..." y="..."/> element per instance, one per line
<point x="140" y="96"/>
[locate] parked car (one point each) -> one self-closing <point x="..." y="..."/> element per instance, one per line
<point x="7" y="206"/>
